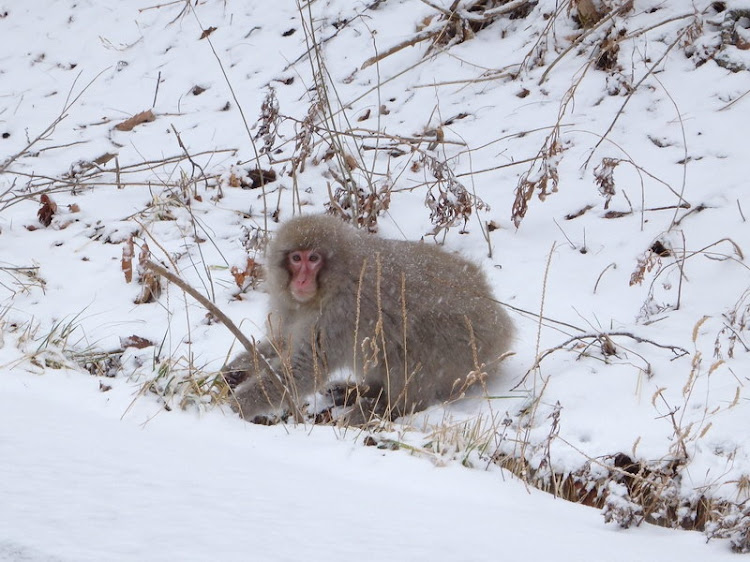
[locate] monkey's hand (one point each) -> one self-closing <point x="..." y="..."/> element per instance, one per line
<point x="257" y="400"/>
<point x="363" y="402"/>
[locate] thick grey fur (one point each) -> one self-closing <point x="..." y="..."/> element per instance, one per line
<point x="405" y="357"/>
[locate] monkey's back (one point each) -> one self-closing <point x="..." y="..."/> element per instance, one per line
<point x="453" y="320"/>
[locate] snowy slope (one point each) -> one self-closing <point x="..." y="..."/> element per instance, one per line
<point x="88" y="485"/>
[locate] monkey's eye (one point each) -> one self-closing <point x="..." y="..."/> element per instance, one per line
<point x="313" y="257"/>
<point x="295" y="257"/>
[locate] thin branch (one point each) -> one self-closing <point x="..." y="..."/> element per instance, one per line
<point x="250" y="347"/>
<point x="51" y="127"/>
<point x="677" y="350"/>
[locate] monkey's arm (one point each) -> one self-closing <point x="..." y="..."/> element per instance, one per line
<point x="246" y="364"/>
<point x="257" y="360"/>
<point x="272" y="383"/>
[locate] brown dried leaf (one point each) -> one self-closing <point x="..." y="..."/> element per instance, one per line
<point x="606" y="58"/>
<point x="449" y="201"/>
<point x="137" y="342"/>
<point x="250" y="275"/>
<point x="542" y="178"/>
<point x="151" y="288"/>
<point x="150" y="282"/>
<point x="351" y="162"/>
<point x="259" y="177"/>
<point x="578" y="213"/>
<point x="646" y="263"/>
<point x="607" y="345"/>
<point x="363" y="207"/>
<point x="207" y="32"/>
<point x="128" y="251"/>
<point x="588" y="15"/>
<point x="239" y="275"/>
<point x="142" y="117"/>
<point x="144" y="256"/>
<point x="47" y="210"/>
<point x="425" y="23"/>
<point x="617" y="214"/>
<point x="104" y="158"/>
<point x="660" y="249"/>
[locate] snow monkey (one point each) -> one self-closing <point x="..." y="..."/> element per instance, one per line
<point x="412" y="323"/>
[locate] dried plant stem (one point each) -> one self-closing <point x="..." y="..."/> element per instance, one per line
<point x="536" y="392"/>
<point x="685" y="158"/>
<point x="539" y="326"/>
<point x="612" y="265"/>
<point x="418" y="38"/>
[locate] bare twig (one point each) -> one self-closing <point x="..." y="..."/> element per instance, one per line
<point x="613" y="265"/>
<point x="156" y="90"/>
<point x="418" y="38"/>
<point x="604" y="336"/>
<point x="51" y="127"/>
<point x="207" y="304"/>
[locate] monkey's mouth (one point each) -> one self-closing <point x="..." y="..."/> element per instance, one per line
<point x="302" y="295"/>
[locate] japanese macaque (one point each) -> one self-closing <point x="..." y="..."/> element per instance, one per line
<point x="413" y="324"/>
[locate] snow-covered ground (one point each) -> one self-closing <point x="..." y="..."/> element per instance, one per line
<point x="642" y="236"/>
<point x="79" y="483"/>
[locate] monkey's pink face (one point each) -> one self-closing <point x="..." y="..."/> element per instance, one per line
<point x="304" y="266"/>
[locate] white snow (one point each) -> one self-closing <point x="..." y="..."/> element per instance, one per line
<point x="81" y="482"/>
